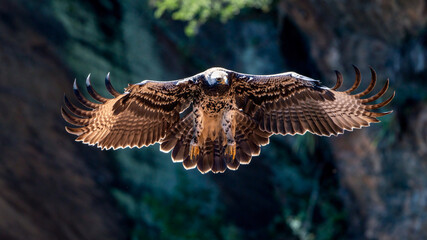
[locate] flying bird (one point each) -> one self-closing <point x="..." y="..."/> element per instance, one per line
<point x="219" y="118"/>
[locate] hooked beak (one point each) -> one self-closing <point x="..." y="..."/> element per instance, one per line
<point x="222" y="81"/>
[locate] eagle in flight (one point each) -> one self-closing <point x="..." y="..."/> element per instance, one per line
<point x="219" y="118"/>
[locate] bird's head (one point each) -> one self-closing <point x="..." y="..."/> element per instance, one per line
<point x="217" y="77"/>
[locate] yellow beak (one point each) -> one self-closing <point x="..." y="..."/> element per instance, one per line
<point x="222" y="81"/>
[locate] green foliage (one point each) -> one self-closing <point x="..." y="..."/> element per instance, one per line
<point x="185" y="213"/>
<point x="297" y="225"/>
<point x="332" y="224"/>
<point x="168" y="202"/>
<point x="303" y="227"/>
<point x="312" y="208"/>
<point x="197" y="12"/>
<point x="386" y="135"/>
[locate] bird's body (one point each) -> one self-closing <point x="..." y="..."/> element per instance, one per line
<point x="219" y="118"/>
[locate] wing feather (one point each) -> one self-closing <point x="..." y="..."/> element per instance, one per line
<point x="139" y="117"/>
<point x="289" y="103"/>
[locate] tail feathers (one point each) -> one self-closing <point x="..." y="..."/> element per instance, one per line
<point x="190" y="164"/>
<point x="219" y="164"/>
<point x="212" y="157"/>
<point x="205" y="161"/>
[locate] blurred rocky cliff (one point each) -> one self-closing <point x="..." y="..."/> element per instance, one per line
<point x="367" y="184"/>
<point x="381" y="170"/>
<point x="50" y="188"/>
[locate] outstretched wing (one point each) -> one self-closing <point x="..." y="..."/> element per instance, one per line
<point x="290" y="103"/>
<point x="139" y="117"/>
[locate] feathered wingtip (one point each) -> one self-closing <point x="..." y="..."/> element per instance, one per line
<point x="75" y="110"/>
<point x="110" y="87"/>
<point x="92" y="91"/>
<point x="80" y="117"/>
<point x="83" y="100"/>
<point x="367" y="91"/>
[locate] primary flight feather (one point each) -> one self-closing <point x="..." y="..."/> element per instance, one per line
<point x="219" y="118"/>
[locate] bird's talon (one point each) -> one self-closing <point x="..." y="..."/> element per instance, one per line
<point x="194" y="151"/>
<point x="230" y="150"/>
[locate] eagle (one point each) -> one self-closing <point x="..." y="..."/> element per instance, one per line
<point x="219" y="118"/>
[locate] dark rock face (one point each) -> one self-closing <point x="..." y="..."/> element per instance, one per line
<point x="368" y="184"/>
<point x="50" y="188"/>
<point x="381" y="171"/>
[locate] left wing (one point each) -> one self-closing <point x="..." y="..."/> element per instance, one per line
<point x="139" y="117"/>
<point x="290" y="103"/>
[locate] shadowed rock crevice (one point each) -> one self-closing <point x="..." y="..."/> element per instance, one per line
<point x="295" y="49"/>
<point x="50" y="187"/>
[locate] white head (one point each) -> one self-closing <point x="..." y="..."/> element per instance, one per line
<point x="217" y="77"/>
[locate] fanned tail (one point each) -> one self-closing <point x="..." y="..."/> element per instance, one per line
<point x="249" y="139"/>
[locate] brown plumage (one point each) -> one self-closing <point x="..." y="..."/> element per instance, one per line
<point x="219" y="118"/>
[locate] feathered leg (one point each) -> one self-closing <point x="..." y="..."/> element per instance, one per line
<point x="229" y="129"/>
<point x="198" y="127"/>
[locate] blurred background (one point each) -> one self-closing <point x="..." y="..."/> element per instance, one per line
<point x="366" y="184"/>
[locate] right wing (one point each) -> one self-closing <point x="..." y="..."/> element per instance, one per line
<point x="141" y="116"/>
<point x="290" y="103"/>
